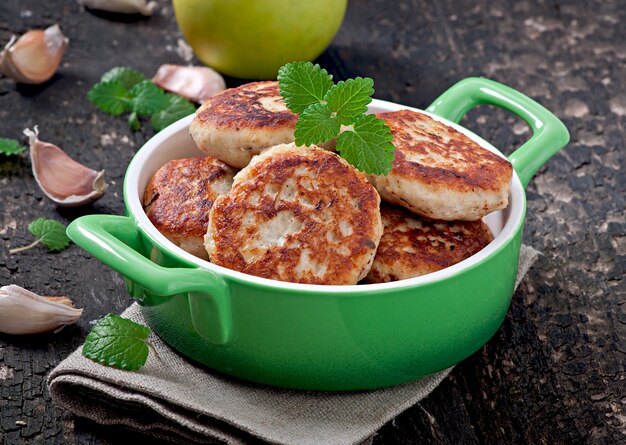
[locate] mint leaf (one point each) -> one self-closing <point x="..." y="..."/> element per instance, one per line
<point x="147" y="98"/>
<point x="177" y="109"/>
<point x="124" y="90"/>
<point x="10" y="147"/>
<point x="302" y="84"/>
<point x="127" y="77"/>
<point x="110" y="97"/>
<point x="117" y="342"/>
<point x="50" y="232"/>
<point x="349" y="99"/>
<point x="323" y="108"/>
<point x="368" y="145"/>
<point x="316" y="125"/>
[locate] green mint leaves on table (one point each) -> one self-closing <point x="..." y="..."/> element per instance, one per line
<point x="176" y="109"/>
<point x="124" y="90"/>
<point x="110" y="97"/>
<point x="10" y="147"/>
<point x="117" y="342"/>
<point x="48" y="232"/>
<point x="322" y="109"/>
<point x="127" y="77"/>
<point x="147" y="98"/>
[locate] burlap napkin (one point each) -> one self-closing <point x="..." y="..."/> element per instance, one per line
<point x="174" y="399"/>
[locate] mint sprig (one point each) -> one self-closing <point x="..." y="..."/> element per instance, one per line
<point x="117" y="342"/>
<point x="176" y="109"/>
<point x="124" y="90"/>
<point x="128" y="77"/>
<point x="323" y="108"/>
<point x="48" y="232"/>
<point x="10" y="147"/>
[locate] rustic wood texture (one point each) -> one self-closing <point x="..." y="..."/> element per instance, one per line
<point x="556" y="370"/>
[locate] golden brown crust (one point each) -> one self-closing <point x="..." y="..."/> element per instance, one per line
<point x="239" y="123"/>
<point x="255" y="105"/>
<point x="439" y="172"/>
<point x="438" y="154"/>
<point x="180" y="195"/>
<point x="299" y="215"/>
<point x="412" y="246"/>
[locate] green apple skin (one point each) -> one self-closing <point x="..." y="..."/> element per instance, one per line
<point x="251" y="39"/>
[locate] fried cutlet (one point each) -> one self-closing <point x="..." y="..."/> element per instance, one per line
<point x="440" y="173"/>
<point x="239" y="123"/>
<point x="297" y="214"/>
<point x="412" y="246"/>
<point x="179" y="197"/>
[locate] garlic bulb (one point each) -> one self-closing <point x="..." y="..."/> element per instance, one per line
<point x="23" y="312"/>
<point x="196" y="83"/>
<point x="121" y="6"/>
<point x="34" y="57"/>
<point x="63" y="180"/>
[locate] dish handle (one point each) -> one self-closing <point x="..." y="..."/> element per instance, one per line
<point x="549" y="133"/>
<point x="111" y="238"/>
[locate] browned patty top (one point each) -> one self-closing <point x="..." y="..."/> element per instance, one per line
<point x="412" y="246"/>
<point x="439" y="155"/>
<point x="179" y="196"/>
<point x="297" y="207"/>
<point x="255" y="105"/>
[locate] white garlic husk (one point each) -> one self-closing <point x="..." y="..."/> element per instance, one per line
<point x="35" y="56"/>
<point x="24" y="312"/>
<point x="196" y="83"/>
<point x="62" y="179"/>
<point x="121" y="6"/>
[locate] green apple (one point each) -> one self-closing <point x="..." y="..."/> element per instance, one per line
<point x="253" y="38"/>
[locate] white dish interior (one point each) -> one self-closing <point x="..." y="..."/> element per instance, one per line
<point x="175" y="143"/>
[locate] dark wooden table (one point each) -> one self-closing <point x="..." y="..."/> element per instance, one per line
<point x="556" y="370"/>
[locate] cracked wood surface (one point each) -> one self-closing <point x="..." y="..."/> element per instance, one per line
<point x="556" y="370"/>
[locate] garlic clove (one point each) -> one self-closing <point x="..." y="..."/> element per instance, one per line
<point x="121" y="6"/>
<point x="35" y="56"/>
<point x="62" y="179"/>
<point x="196" y="83"/>
<point x="24" y="312"/>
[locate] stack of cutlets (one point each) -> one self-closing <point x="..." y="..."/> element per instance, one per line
<point x="304" y="215"/>
<point x="443" y="183"/>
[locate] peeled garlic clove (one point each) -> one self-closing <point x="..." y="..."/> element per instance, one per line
<point x="34" y="57"/>
<point x="62" y="179"/>
<point x="121" y="6"/>
<point x="196" y="83"/>
<point x="23" y="312"/>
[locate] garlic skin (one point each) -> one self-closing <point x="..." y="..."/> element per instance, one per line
<point x="35" y="56"/>
<point x="195" y="83"/>
<point x="62" y="179"/>
<point x="24" y="312"/>
<point x="121" y="6"/>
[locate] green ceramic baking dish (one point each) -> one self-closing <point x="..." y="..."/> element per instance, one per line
<point x="324" y="337"/>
